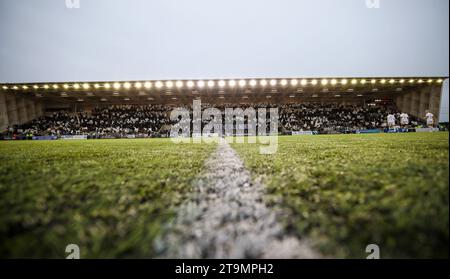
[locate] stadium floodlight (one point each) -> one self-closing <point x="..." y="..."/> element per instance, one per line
<point x="333" y="81"/>
<point x="55" y="86"/>
<point x="294" y="82"/>
<point x="324" y="81"/>
<point x="5" y="87"/>
<point x="24" y="87"/>
<point x="179" y="84"/>
<point x="252" y="83"/>
<point x="263" y="82"/>
<point x="200" y="84"/>
<point x="221" y="83"/>
<point x="127" y="85"/>
<point x="430" y="80"/>
<point x="303" y="82"/>
<point x="402" y="81"/>
<point x="159" y="84"/>
<point x="411" y="81"/>
<point x="344" y="81"/>
<point x="273" y="82"/>
<point x="35" y="86"/>
<point x="45" y="86"/>
<point x="96" y="86"/>
<point x="242" y="83"/>
<point x="65" y="86"/>
<point x="373" y="81"/>
<point x="137" y="85"/>
<point x="86" y="86"/>
<point x="314" y="82"/>
<point x="116" y="85"/>
<point x="190" y="84"/>
<point x="363" y="81"/>
<point x="439" y="80"/>
<point x="147" y="85"/>
<point x="392" y="81"/>
<point x="420" y="81"/>
<point x="169" y="84"/>
<point x="283" y="82"/>
<point x="15" y="87"/>
<point x="210" y="83"/>
<point x="107" y="85"/>
<point x="354" y="81"/>
<point x="383" y="81"/>
<point x="232" y="83"/>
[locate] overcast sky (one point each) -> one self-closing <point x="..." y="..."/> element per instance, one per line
<point x="177" y="39"/>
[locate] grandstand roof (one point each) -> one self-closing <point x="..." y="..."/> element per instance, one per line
<point x="223" y="90"/>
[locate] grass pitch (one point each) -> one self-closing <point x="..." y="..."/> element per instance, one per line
<point x="347" y="191"/>
<point x="110" y="197"/>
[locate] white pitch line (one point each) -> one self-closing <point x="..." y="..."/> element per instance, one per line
<point x="226" y="217"/>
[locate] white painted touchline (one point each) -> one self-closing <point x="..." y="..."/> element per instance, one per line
<point x="226" y="217"/>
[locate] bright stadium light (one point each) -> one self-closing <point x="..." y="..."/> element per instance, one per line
<point x="383" y="81"/>
<point x="263" y="82"/>
<point x="273" y="82"/>
<point x="283" y="82"/>
<point x="303" y="82"/>
<point x="15" y="87"/>
<point x="55" y="86"/>
<point x="159" y="84"/>
<point x="210" y="83"/>
<point x="137" y="85"/>
<point x="411" y="81"/>
<point x="294" y="82"/>
<point x="85" y="86"/>
<point x="200" y="84"/>
<point x="373" y="81"/>
<point x="344" y="81"/>
<point x="324" y="81"/>
<point x="221" y="83"/>
<point x="430" y="80"/>
<point x="314" y="82"/>
<point x="439" y="80"/>
<point x="354" y="81"/>
<point x="252" y="83"/>
<point x="169" y="84"/>
<point x="232" y="83"/>
<point x="107" y="85"/>
<point x="96" y="86"/>
<point x="363" y="81"/>
<point x="333" y="81"/>
<point x="24" y="87"/>
<point x="179" y="84"/>
<point x="242" y="83"/>
<point x="190" y="84"/>
<point x="5" y="87"/>
<point x="35" y="86"/>
<point x="420" y="81"/>
<point x="127" y="85"/>
<point x="392" y="81"/>
<point x="116" y="85"/>
<point x="402" y="81"/>
<point x="147" y="85"/>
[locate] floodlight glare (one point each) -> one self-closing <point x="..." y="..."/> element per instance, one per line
<point x="210" y="83"/>
<point x="294" y="82"/>
<point x="283" y="82"/>
<point x="159" y="84"/>
<point x="96" y="86"/>
<point x="303" y="82"/>
<point x="314" y="82"/>
<point x="232" y="83"/>
<point x="373" y="81"/>
<point x="383" y="81"/>
<point x="324" y="81"/>
<point x="392" y="81"/>
<point x="273" y="82"/>
<point x="86" y="86"/>
<point x="116" y="85"/>
<point x="179" y="84"/>
<point x="55" y="86"/>
<point x="107" y="85"/>
<point x="363" y="81"/>
<point x="333" y="81"/>
<point x="263" y="82"/>
<point x="190" y="84"/>
<point x="354" y="81"/>
<point x="344" y="81"/>
<point x="169" y="84"/>
<point x="252" y="82"/>
<point x="137" y="85"/>
<point x="147" y="85"/>
<point x="201" y="84"/>
<point x="221" y="83"/>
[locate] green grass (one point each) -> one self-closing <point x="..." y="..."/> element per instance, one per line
<point x="110" y="197"/>
<point x="346" y="191"/>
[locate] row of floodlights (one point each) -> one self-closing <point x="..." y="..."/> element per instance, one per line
<point x="221" y="83"/>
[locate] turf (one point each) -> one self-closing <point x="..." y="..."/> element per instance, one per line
<point x="110" y="197"/>
<point x="344" y="192"/>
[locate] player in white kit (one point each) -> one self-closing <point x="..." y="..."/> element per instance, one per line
<point x="404" y="119"/>
<point x="391" y="120"/>
<point x="430" y="119"/>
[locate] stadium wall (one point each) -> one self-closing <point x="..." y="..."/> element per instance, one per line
<point x="418" y="101"/>
<point x="16" y="109"/>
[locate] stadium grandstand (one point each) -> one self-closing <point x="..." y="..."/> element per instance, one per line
<point x="141" y="108"/>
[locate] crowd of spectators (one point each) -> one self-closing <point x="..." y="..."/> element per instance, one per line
<point x="154" y="120"/>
